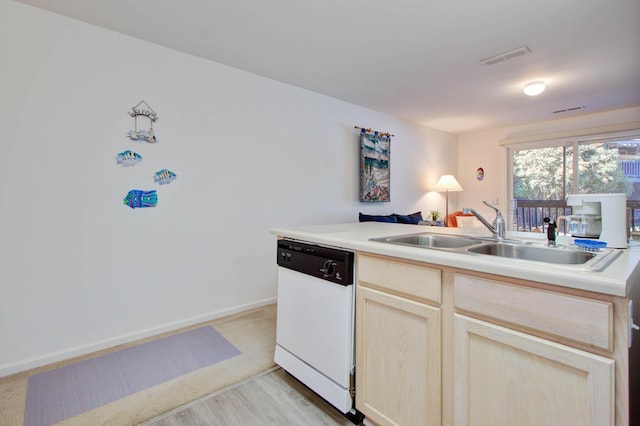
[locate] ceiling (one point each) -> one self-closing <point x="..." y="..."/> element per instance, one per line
<point x="414" y="59"/>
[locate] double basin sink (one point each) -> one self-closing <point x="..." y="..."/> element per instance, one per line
<point x="573" y="258"/>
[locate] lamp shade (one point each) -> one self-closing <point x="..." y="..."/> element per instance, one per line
<point x="447" y="183"/>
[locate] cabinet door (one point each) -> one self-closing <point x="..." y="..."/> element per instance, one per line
<point x="397" y="359"/>
<point x="504" y="377"/>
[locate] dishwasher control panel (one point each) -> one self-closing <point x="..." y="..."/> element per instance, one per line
<point x="328" y="263"/>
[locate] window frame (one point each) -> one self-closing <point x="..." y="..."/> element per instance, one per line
<point x="574" y="139"/>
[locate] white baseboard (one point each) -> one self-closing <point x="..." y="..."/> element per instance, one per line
<point x="23" y="365"/>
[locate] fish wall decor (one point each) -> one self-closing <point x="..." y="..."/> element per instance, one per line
<point x="137" y="198"/>
<point x="128" y="158"/>
<point x="164" y="177"/>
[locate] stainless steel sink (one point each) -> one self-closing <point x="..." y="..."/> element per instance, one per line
<point x="535" y="253"/>
<point x="559" y="256"/>
<point x="429" y="241"/>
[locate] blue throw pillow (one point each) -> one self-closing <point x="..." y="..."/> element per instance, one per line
<point x="376" y="218"/>
<point x="413" y="218"/>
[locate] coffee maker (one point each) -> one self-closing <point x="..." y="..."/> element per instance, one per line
<point x="599" y="216"/>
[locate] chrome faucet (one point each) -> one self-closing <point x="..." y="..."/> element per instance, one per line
<point x="498" y="228"/>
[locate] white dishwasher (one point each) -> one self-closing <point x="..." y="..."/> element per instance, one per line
<point x="315" y="321"/>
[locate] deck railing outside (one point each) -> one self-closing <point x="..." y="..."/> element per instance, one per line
<point x="528" y="215"/>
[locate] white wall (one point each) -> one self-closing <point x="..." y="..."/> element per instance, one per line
<point x="79" y="270"/>
<point x="482" y="149"/>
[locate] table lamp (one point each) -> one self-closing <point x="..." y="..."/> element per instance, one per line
<point x="447" y="183"/>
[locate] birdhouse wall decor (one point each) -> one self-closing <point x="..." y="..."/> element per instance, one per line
<point x="144" y="117"/>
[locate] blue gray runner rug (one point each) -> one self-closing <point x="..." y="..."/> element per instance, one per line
<point x="67" y="391"/>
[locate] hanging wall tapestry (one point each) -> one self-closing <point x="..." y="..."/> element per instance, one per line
<point x="143" y="117"/>
<point x="374" y="166"/>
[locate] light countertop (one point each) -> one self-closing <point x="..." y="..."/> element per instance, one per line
<point x="616" y="280"/>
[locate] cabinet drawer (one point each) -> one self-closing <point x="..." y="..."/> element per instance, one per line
<point x="576" y="318"/>
<point x="408" y="279"/>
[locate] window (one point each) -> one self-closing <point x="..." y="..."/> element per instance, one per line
<point x="542" y="175"/>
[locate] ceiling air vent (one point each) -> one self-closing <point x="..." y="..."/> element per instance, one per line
<point x="506" y="56"/>
<point x="569" y="109"/>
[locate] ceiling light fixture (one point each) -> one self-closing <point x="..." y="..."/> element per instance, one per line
<point x="534" y="88"/>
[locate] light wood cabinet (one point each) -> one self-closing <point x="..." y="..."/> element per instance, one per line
<point x="505" y="377"/>
<point x="440" y="345"/>
<point x="397" y="352"/>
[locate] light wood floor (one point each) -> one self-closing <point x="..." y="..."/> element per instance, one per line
<point x="274" y="398"/>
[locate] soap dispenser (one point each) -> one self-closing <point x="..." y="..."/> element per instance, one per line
<point x="551" y="231"/>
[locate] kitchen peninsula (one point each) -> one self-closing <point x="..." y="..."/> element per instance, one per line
<point x="451" y="338"/>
